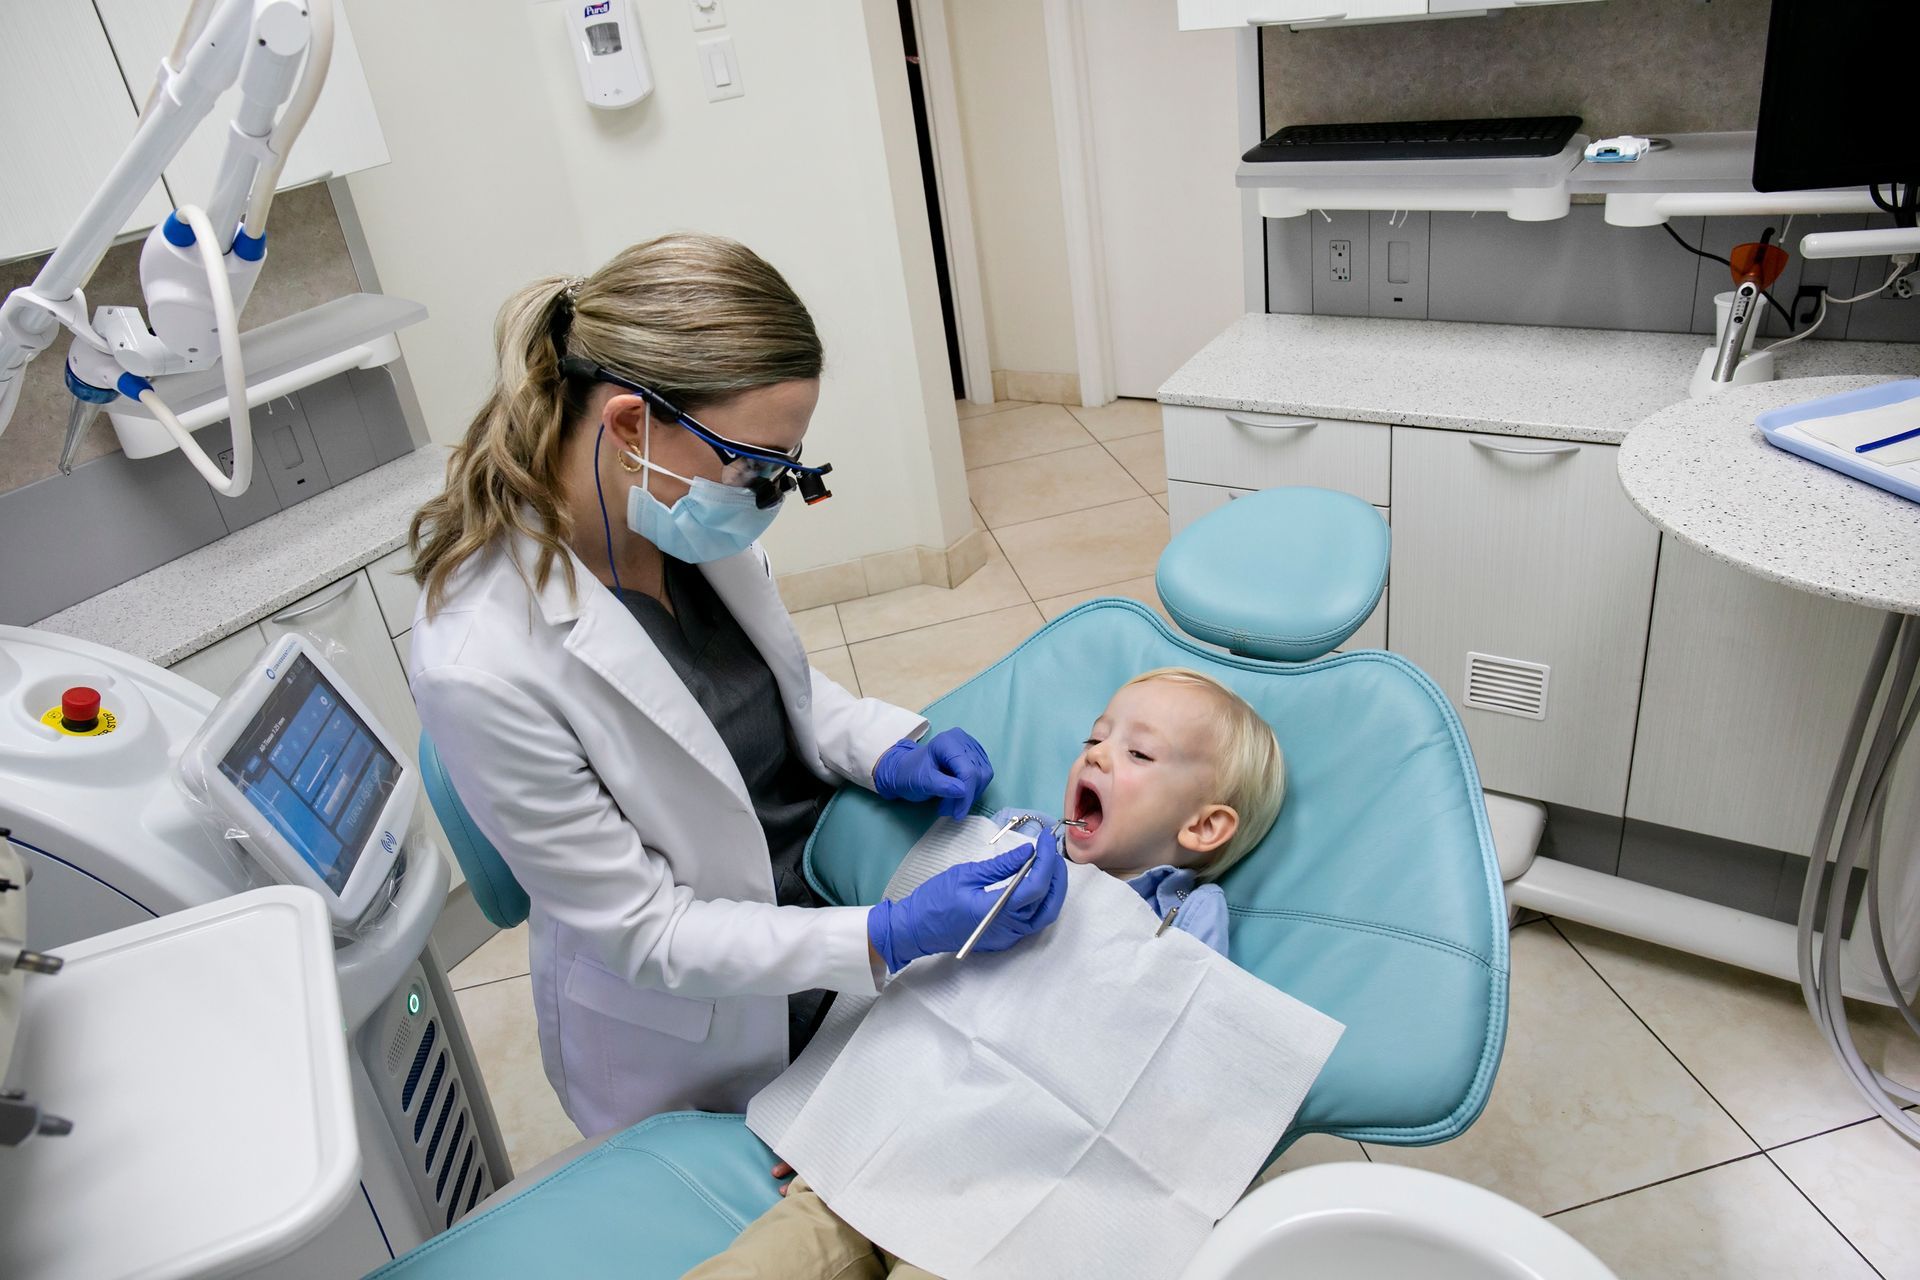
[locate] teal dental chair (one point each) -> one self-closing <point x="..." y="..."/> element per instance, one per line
<point x="1376" y="898"/>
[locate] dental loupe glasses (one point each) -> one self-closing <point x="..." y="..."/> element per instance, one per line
<point x="772" y="472"/>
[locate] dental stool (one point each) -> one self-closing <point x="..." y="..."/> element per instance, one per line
<point x="1376" y="897"/>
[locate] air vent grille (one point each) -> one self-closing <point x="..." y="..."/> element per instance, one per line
<point x="419" y="1065"/>
<point x="1507" y="685"/>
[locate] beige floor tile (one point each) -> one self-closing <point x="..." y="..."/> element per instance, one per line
<point x="504" y="955"/>
<point x="1032" y="488"/>
<point x="837" y="666"/>
<point x="1738" y="1222"/>
<point x="819" y="628"/>
<point x="499" y="1018"/>
<point x="1866" y="1179"/>
<point x="1084" y="549"/>
<point x="1315" y="1148"/>
<point x="915" y="667"/>
<point x="1587" y="1104"/>
<point x="968" y="409"/>
<point x="1120" y="419"/>
<point x="1140" y="589"/>
<point x="1145" y="459"/>
<point x="978" y="523"/>
<point x="1161" y="498"/>
<point x="992" y="586"/>
<point x="1748" y="1038"/>
<point x="1020" y="433"/>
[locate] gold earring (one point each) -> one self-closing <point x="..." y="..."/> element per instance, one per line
<point x="630" y="464"/>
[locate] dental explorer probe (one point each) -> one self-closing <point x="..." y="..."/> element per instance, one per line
<point x="993" y="912"/>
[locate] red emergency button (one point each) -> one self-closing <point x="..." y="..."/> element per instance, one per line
<point x="80" y="707"/>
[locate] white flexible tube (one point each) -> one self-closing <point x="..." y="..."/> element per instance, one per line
<point x="313" y="76"/>
<point x="1825" y="298"/>
<point x="227" y="327"/>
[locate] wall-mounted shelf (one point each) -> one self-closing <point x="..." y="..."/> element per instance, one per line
<point x="1526" y="189"/>
<point x="1699" y="175"/>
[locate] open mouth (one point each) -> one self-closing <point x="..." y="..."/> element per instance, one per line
<point x="1087" y="810"/>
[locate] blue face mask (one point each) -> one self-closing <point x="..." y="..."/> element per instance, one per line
<point x="711" y="521"/>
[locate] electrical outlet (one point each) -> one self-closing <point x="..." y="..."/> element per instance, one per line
<point x="1340" y="257"/>
<point x="1342" y="260"/>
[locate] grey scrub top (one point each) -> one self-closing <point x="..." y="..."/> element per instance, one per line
<point x="726" y="675"/>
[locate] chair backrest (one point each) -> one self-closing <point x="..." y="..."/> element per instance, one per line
<point x="1375" y="898"/>
<point x="497" y="893"/>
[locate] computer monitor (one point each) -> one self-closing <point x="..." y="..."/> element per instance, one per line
<point x="1837" y="100"/>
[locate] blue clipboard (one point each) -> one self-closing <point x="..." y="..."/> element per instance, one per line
<point x="1845" y="460"/>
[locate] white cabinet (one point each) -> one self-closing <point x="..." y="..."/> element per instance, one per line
<point x="1748" y="690"/>
<point x="342" y="135"/>
<point x="1198" y="15"/>
<point x="1187" y="502"/>
<point x="64" y="120"/>
<point x="69" y="115"/>
<point x="394" y="588"/>
<point x="217" y="666"/>
<point x="1246" y="450"/>
<point x="1526" y="550"/>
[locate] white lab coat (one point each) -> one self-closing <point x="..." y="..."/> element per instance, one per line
<point x="660" y="963"/>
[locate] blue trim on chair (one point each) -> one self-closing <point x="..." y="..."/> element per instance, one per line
<point x="495" y="890"/>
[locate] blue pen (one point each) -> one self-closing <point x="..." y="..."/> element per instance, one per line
<point x="1871" y="445"/>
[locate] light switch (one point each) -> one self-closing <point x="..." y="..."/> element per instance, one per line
<point x="721" y="67"/>
<point x="1399" y="261"/>
<point x="707" y="14"/>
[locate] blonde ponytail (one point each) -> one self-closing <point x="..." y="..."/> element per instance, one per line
<point x="695" y="317"/>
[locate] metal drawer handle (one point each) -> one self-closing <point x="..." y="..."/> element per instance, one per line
<point x="1550" y="450"/>
<point x="315" y="606"/>
<point x="1293" y="22"/>
<point x="1241" y="420"/>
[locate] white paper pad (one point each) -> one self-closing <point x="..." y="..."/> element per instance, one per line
<point x="1088" y="1103"/>
<point x="1848" y="431"/>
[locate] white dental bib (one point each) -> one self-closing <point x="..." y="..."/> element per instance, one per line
<point x="1087" y="1103"/>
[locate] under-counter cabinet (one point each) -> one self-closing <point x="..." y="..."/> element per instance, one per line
<point x="1748" y="689"/>
<point x="1526" y="553"/>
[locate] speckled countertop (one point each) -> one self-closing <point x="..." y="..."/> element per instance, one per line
<point x="1567" y="384"/>
<point x="206" y="595"/>
<point x="1703" y="472"/>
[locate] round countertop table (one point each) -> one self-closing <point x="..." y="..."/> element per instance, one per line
<point x="1701" y="471"/>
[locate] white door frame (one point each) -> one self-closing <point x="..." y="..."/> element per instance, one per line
<point x="1079" y="198"/>
<point x="956" y="199"/>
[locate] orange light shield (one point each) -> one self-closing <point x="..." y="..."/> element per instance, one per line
<point x="1761" y="263"/>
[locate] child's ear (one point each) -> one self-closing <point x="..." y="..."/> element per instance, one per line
<point x="1209" y="828"/>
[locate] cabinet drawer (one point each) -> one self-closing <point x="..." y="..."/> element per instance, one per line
<point x="1526" y="550"/>
<point x="216" y="667"/>
<point x="1187" y="502"/>
<point x="1265" y="450"/>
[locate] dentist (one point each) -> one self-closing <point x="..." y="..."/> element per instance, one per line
<point x="619" y="697"/>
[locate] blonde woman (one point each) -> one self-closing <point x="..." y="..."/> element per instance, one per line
<point x="621" y="701"/>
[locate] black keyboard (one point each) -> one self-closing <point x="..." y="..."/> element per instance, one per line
<point x="1419" y="140"/>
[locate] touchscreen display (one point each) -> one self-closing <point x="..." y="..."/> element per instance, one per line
<point x="314" y="770"/>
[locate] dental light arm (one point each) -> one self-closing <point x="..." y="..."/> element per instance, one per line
<point x="197" y="269"/>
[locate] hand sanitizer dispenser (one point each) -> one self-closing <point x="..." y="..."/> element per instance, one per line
<point x="608" y="53"/>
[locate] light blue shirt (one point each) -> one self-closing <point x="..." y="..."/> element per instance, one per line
<point x="1203" y="907"/>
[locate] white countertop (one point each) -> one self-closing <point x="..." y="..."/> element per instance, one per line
<point x="1590" y="385"/>
<point x="187" y="604"/>
<point x="1702" y="472"/>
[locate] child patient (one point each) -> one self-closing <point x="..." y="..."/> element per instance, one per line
<point x="1178" y="779"/>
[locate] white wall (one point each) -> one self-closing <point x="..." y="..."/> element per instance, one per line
<point x="1166" y="144"/>
<point x="811" y="168"/>
<point x="1013" y="166"/>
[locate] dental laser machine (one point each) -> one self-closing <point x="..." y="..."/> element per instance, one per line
<point x="300" y="785"/>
